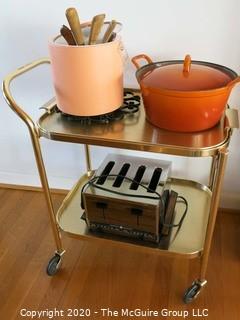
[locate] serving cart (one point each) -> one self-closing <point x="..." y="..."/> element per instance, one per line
<point x="194" y="238"/>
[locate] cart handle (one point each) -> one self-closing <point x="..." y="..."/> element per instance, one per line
<point x="8" y="95"/>
<point x="233" y="118"/>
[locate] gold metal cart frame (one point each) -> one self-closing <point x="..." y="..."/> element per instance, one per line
<point x="194" y="238"/>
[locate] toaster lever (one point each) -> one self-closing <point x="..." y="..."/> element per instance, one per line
<point x="137" y="211"/>
<point x="101" y="205"/>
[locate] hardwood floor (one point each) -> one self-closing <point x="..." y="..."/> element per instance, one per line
<point x="96" y="276"/>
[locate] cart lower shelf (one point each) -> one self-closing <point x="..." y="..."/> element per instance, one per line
<point x="189" y="241"/>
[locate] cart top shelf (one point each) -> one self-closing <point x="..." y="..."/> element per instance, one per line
<point x="134" y="132"/>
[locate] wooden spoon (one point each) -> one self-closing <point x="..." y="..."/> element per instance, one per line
<point x="96" y="25"/>
<point x="73" y="20"/>
<point x="109" y="31"/>
<point x="67" y="35"/>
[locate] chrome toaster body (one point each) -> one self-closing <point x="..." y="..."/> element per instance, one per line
<point x="125" y="199"/>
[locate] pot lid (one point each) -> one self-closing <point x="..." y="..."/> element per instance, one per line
<point x="186" y="75"/>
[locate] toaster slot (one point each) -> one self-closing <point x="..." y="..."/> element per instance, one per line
<point x="154" y="180"/>
<point x="138" y="177"/>
<point x="106" y="171"/>
<point x="121" y="175"/>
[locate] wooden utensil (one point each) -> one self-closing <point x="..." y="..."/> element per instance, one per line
<point x="67" y="35"/>
<point x="109" y="31"/>
<point x="113" y="36"/>
<point x="73" y="20"/>
<point x="96" y="25"/>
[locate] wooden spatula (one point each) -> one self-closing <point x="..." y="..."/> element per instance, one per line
<point x="96" y="25"/>
<point x="73" y="20"/>
<point x="67" y="35"/>
<point x="109" y="31"/>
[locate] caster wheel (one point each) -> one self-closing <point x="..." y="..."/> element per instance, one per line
<point x="192" y="292"/>
<point x="54" y="265"/>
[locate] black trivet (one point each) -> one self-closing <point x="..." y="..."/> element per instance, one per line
<point x="131" y="103"/>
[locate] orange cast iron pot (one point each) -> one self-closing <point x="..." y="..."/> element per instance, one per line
<point x="184" y="95"/>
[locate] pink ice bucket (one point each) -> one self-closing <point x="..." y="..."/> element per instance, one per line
<point x="88" y="80"/>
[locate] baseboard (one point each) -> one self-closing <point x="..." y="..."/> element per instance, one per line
<point x="229" y="211"/>
<point x="32" y="188"/>
<point x="230" y="200"/>
<point x="222" y="209"/>
<point x="31" y="182"/>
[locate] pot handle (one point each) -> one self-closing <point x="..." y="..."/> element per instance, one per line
<point x="232" y="83"/>
<point x="138" y="57"/>
<point x="187" y="64"/>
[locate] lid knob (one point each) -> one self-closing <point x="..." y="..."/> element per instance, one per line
<point x="187" y="65"/>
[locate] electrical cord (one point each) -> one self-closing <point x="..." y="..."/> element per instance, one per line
<point x="183" y="215"/>
<point x="159" y="197"/>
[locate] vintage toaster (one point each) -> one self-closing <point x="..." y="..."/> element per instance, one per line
<point x="116" y="203"/>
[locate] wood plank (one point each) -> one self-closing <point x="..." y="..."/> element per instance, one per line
<point x="97" y="275"/>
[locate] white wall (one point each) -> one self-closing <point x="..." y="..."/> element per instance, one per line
<point x="164" y="29"/>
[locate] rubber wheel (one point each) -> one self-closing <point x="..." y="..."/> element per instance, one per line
<point x="53" y="265"/>
<point x="192" y="293"/>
